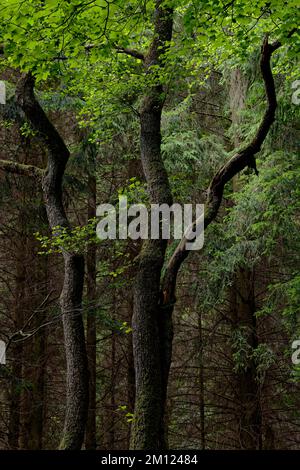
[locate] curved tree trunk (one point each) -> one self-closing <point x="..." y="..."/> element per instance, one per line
<point x="71" y="296"/>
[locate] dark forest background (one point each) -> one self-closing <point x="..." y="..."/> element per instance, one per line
<point x="141" y="344"/>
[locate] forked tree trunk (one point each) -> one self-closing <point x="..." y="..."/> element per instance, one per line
<point x="154" y="298"/>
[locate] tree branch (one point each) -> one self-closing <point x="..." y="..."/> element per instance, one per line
<point x="122" y="50"/>
<point x="71" y="295"/>
<point x="20" y="169"/>
<point x="132" y="52"/>
<point x="243" y="158"/>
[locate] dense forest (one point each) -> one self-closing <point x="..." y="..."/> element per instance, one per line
<point x="141" y="342"/>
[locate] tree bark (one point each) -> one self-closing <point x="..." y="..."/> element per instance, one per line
<point x="71" y="295"/>
<point x="248" y="388"/>
<point x="152" y="327"/>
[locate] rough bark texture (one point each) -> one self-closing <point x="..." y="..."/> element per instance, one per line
<point x="71" y="296"/>
<point x="152" y="330"/>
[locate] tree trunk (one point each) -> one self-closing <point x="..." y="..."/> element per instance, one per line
<point x="152" y="326"/>
<point x="248" y="388"/>
<point x="71" y="296"/>
<point x="77" y="367"/>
